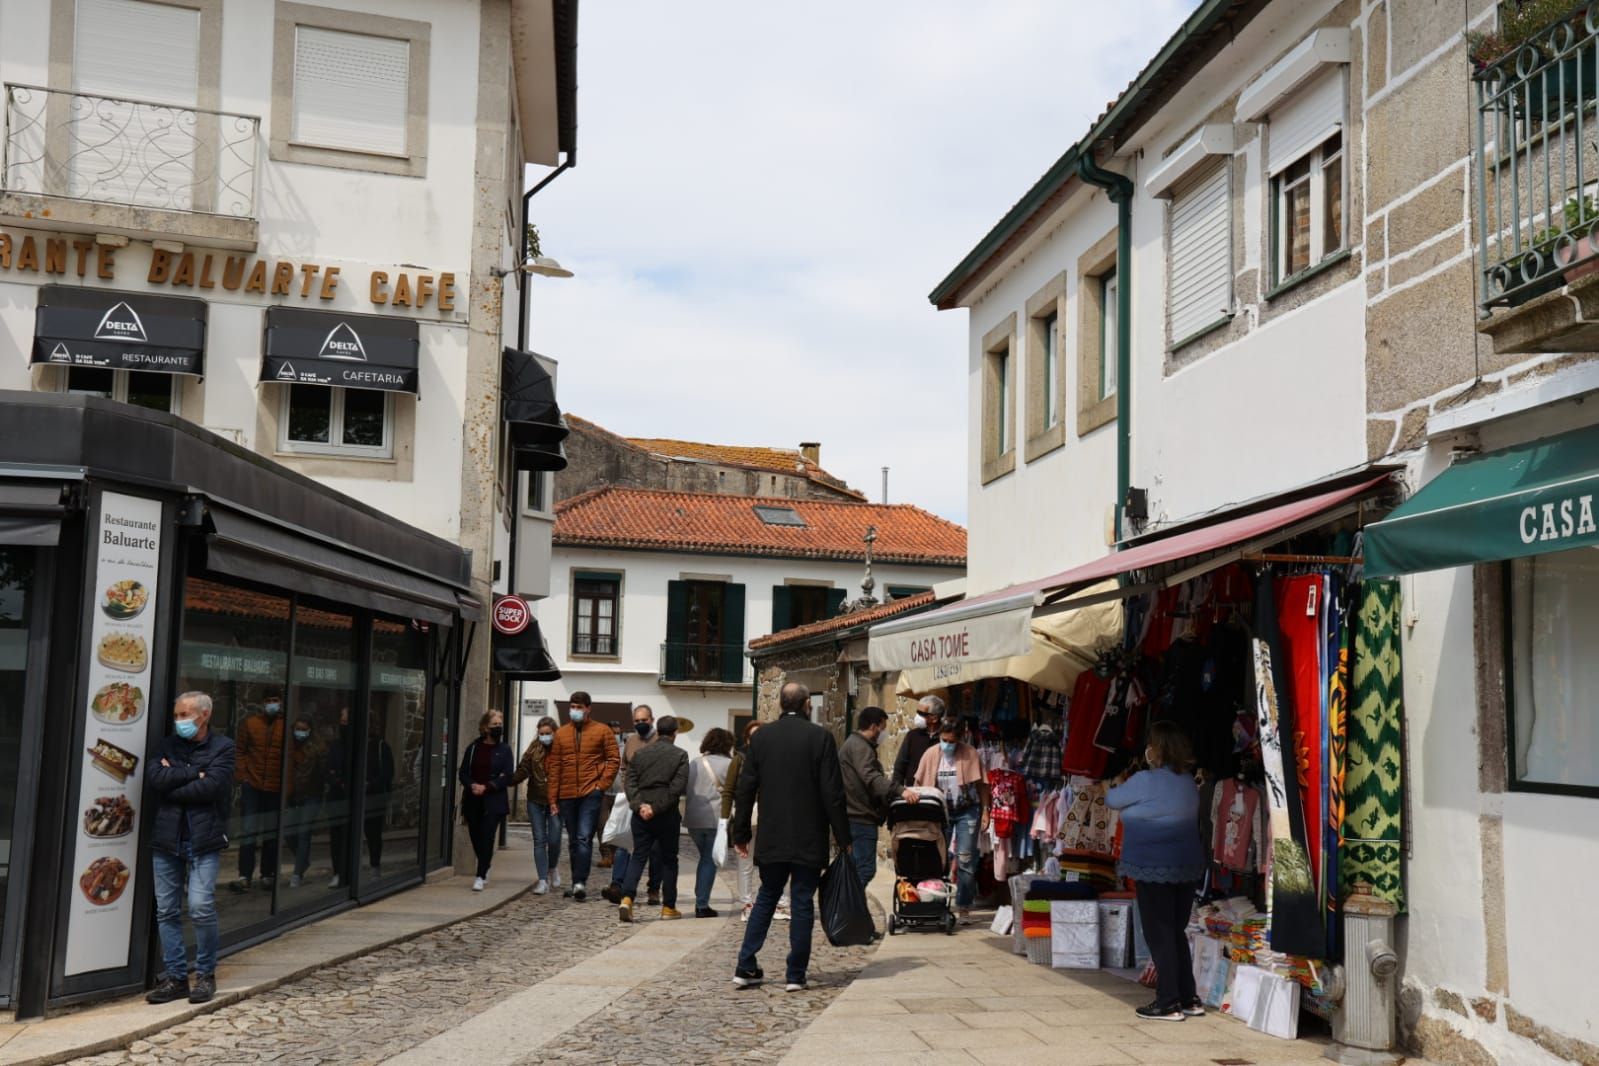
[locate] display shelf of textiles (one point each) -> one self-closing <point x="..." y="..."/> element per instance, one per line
<point x="1285" y="678"/>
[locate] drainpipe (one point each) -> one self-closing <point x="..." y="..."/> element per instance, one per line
<point x="1120" y="190"/>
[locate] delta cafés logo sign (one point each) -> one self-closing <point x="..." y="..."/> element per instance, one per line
<point x="511" y="615"/>
<point x="121" y="323"/>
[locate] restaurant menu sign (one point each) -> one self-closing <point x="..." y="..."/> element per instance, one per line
<point x="122" y="638"/>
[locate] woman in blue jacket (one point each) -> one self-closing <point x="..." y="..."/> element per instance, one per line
<point x="486" y="769"/>
<point x="1164" y="857"/>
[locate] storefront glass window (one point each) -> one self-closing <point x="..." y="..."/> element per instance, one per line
<point x="441" y="773"/>
<point x="395" y="746"/>
<point x="16" y="581"/>
<point x="310" y="414"/>
<point x="150" y="390"/>
<point x="91" y="381"/>
<point x="320" y="768"/>
<point x="1554" y="619"/>
<point x="363" y="418"/>
<point x="236" y="648"/>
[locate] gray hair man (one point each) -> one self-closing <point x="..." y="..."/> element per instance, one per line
<point x="190" y="778"/>
<point x="923" y="734"/>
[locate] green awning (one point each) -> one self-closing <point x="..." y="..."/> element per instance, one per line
<point x="1528" y="500"/>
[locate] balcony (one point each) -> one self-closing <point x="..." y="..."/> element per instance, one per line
<point x="704" y="664"/>
<point x="97" y="164"/>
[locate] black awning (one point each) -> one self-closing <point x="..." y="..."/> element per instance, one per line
<point x="527" y="403"/>
<point x="78" y="326"/>
<point x="248" y="548"/>
<point x="355" y="351"/>
<point x="525" y="656"/>
<point x="532" y="457"/>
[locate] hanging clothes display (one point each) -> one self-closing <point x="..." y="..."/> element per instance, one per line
<point x="1374" y="761"/>
<point x="1083" y="717"/>
<point x="1334" y="748"/>
<point x="1301" y="605"/>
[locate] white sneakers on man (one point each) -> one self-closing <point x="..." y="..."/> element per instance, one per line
<point x="541" y="888"/>
<point x="477" y="884"/>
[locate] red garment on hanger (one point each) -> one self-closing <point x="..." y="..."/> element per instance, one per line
<point x="1082" y="722"/>
<point x="1299" y="614"/>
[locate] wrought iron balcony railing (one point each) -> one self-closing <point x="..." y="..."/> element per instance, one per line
<point x="100" y="148"/>
<point x="721" y="664"/>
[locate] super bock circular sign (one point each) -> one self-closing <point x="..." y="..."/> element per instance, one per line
<point x="511" y="615"/>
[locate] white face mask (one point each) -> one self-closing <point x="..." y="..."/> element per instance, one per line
<point x="577" y="714"/>
<point x="919" y="722"/>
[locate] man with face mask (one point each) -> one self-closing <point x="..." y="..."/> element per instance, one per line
<point x="923" y="735"/>
<point x="189" y="778"/>
<point x="867" y="790"/>
<point x="643" y="735"/>
<point x="582" y="762"/>
<point x="260" y="751"/>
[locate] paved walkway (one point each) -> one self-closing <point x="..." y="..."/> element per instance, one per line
<point x="931" y="998"/>
<point x="267" y="966"/>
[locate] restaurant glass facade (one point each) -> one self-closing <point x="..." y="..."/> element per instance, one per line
<point x="16" y="605"/>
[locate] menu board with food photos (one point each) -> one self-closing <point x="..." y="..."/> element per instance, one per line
<point x="117" y="697"/>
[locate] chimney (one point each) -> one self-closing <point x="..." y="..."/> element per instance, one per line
<point x="812" y="451"/>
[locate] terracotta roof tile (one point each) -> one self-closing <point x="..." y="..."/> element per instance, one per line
<point x="845" y="621"/>
<point x="716" y="524"/>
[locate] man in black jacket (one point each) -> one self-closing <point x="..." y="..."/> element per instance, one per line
<point x="656" y="778"/>
<point x="923" y="735"/>
<point x="190" y="780"/>
<point x="867" y="790"/>
<point x="792" y="771"/>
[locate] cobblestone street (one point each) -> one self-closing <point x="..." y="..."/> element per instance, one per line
<point x="371" y="1009"/>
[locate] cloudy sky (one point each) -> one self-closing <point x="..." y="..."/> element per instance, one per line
<point x="766" y="193"/>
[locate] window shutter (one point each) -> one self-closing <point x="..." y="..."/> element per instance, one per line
<point x="1304" y="120"/>
<point x="732" y="633"/>
<point x="117" y="40"/>
<point x="1199" y="285"/>
<point x="676" y="612"/>
<point x="351" y="91"/>
<point x="835" y="600"/>
<point x="782" y="608"/>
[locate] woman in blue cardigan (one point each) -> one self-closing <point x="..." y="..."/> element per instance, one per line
<point x="1164" y="857"/>
<point x="486" y="769"/>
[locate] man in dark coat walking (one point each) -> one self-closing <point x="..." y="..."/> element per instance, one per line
<point x="792" y="771"/>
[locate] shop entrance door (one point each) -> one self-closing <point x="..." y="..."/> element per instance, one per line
<point x="19" y="607"/>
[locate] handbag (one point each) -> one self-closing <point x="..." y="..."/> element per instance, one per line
<point x="719" y="847"/>
<point x="619" y="826"/>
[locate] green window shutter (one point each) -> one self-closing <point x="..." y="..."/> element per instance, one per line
<point x="732" y="633"/>
<point x="596" y="575"/>
<point x="835" y="600"/>
<point x="782" y="608"/>
<point x="676" y="612"/>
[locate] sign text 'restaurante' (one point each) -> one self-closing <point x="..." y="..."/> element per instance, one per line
<point x="941" y="648"/>
<point x="61" y="256"/>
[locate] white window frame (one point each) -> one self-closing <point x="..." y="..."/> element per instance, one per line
<point x="1050" y="322"/>
<point x="1184" y="196"/>
<point x="334" y="446"/>
<point x="119" y="386"/>
<point x="1317" y="179"/>
<point x="1109" y="328"/>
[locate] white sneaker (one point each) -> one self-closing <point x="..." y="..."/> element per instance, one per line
<point x="555" y="879"/>
<point x="294" y="881"/>
<point x="477" y="885"/>
<point x="782" y="915"/>
<point x="541" y="888"/>
<point x="747" y="908"/>
<point x="579" y="892"/>
<point x="333" y="882"/>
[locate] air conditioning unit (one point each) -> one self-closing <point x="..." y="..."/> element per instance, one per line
<point x="1367" y="1018"/>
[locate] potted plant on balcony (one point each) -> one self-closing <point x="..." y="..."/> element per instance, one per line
<point x="1559" y="73"/>
<point x="1579" y="215"/>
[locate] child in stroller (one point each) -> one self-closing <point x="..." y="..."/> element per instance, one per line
<point x="916" y="843"/>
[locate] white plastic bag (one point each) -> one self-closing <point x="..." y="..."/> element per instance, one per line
<point x="719" y="848"/>
<point x="619" y="826"/>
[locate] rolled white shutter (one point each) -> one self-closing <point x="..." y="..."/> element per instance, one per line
<point x="1199" y="284"/>
<point x="1304" y="120"/>
<point x="135" y="50"/>
<point x="351" y="91"/>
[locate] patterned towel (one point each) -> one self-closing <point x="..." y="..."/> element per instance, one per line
<point x="1374" y="759"/>
<point x="1035" y="918"/>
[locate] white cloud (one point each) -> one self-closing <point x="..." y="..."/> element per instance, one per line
<point x="766" y="194"/>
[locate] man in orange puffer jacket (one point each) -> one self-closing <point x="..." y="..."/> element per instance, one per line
<point x="581" y="764"/>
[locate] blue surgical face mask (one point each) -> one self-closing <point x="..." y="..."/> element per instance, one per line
<point x="578" y="714"/>
<point x="273" y="707"/>
<point x="186" y="728"/>
<point x="302" y="735"/>
<point x="947" y="747"/>
<point x="546" y="739"/>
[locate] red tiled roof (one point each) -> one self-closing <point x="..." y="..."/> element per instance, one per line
<point x="650" y="519"/>
<point x="845" y="621"/>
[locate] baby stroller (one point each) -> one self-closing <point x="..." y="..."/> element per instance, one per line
<point x="917" y="844"/>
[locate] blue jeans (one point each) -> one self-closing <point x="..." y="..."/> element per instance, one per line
<point x="546" y="839"/>
<point x="658" y="838"/>
<point x="622" y="862"/>
<point x="258" y="819"/>
<point x="863" y="837"/>
<point x="705" y="870"/>
<point x="580" y="817"/>
<point x="200" y="871"/>
<point x="963" y="843"/>
<point x="774" y="876"/>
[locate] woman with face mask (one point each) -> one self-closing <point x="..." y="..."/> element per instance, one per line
<point x="487" y="767"/>
<point x="546" y="823"/>
<point x="954" y="768"/>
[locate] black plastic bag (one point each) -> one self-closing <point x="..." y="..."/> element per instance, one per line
<point x="845" y="917"/>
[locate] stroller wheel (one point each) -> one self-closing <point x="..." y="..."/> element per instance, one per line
<point x="893" y="925"/>
<point x="949" y="923"/>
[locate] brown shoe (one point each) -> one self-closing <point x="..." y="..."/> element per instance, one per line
<point x="669" y="913"/>
<point x="625" y="911"/>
